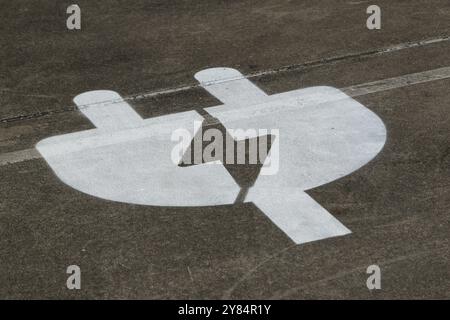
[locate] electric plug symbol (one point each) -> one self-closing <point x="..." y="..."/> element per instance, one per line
<point x="324" y="135"/>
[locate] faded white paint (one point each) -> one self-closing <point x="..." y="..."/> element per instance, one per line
<point x="324" y="135"/>
<point x="73" y="22"/>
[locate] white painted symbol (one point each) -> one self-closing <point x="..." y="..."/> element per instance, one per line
<point x="325" y="135"/>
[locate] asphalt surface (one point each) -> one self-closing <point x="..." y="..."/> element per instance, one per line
<point x="397" y="206"/>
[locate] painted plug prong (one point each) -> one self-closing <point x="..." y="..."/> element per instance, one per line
<point x="107" y="110"/>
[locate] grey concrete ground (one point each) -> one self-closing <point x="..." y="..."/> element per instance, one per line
<point x="397" y="206"/>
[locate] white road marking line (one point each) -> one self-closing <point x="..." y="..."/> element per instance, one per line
<point x="353" y="91"/>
